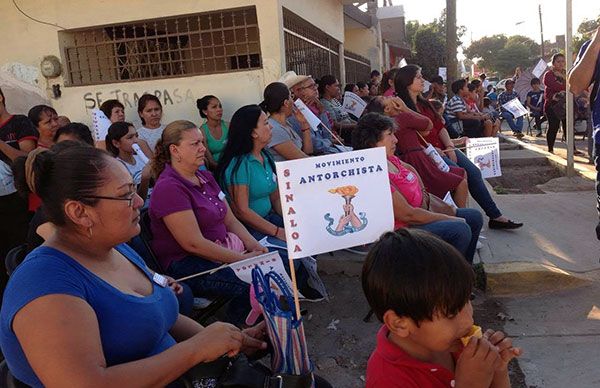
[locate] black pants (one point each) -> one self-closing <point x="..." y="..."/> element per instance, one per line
<point x="553" y="125"/>
<point x="538" y="122"/>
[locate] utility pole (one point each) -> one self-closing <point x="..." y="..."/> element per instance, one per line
<point x="570" y="118"/>
<point x="541" y="31"/>
<point x="451" y="61"/>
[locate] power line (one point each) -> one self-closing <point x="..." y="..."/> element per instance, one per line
<point x="34" y="19"/>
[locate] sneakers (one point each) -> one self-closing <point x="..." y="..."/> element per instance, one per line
<point x="359" y="249"/>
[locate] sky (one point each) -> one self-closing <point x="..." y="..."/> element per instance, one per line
<point x="485" y="17"/>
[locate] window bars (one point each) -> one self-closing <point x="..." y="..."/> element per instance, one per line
<point x="177" y="46"/>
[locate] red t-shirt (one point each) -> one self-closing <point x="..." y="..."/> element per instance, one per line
<point x="434" y="136"/>
<point x="389" y="366"/>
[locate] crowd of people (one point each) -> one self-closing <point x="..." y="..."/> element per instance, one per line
<point x="210" y="193"/>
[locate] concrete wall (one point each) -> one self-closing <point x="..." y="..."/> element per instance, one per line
<point x="360" y="41"/>
<point x="328" y="15"/>
<point x="32" y="41"/>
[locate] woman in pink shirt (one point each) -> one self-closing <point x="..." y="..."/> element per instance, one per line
<point x="413" y="206"/>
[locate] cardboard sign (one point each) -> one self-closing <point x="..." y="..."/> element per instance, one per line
<point x="335" y="201"/>
<point x="442" y="72"/>
<point x="312" y="119"/>
<point x="100" y="124"/>
<point x="540" y="68"/>
<point x="484" y="152"/>
<point x="140" y="153"/>
<point x="353" y="104"/>
<point x="515" y="107"/>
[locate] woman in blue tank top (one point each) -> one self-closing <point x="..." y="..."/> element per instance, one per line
<point x="83" y="309"/>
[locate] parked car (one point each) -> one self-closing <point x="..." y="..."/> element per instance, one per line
<point x="500" y="85"/>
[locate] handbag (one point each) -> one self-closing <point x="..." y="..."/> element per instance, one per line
<point x="285" y="330"/>
<point x="437" y="205"/>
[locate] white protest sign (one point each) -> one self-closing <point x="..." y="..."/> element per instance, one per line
<point x="484" y="152"/>
<point x="515" y="107"/>
<point x="268" y="262"/>
<point x="353" y="104"/>
<point x="540" y="68"/>
<point x="449" y="200"/>
<point x="312" y="119"/>
<point x="442" y="72"/>
<point x="100" y="124"/>
<point x="402" y="63"/>
<point x="140" y="153"/>
<point x="436" y="158"/>
<point x="335" y="201"/>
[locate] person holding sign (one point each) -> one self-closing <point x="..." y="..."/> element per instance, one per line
<point x="413" y="206"/>
<point x="329" y="90"/>
<point x="285" y="143"/>
<point x="411" y="129"/>
<point x="89" y="299"/>
<point x="440" y="139"/>
<point x="305" y="88"/>
<point x="516" y="125"/>
<point x="192" y="226"/>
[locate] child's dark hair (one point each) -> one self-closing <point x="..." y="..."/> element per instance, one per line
<point x="486" y="102"/>
<point x="79" y="130"/>
<point x="349" y="87"/>
<point x="202" y="104"/>
<point x="436" y="104"/>
<point x="458" y="85"/>
<point x="361" y="84"/>
<point x="325" y="81"/>
<point x="35" y="113"/>
<point x="416" y="275"/>
<point x="115" y="132"/>
<point x="535" y="81"/>
<point x="108" y="106"/>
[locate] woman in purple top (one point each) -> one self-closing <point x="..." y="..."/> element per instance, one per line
<point x="192" y="226"/>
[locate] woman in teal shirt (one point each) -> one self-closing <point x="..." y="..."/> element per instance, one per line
<point x="214" y="128"/>
<point x="247" y="175"/>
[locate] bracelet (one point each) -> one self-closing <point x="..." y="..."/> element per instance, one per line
<point x="276" y="231"/>
<point x="305" y="129"/>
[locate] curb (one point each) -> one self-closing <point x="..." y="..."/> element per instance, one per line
<point x="555" y="160"/>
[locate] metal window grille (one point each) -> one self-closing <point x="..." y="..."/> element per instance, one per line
<point x="358" y="68"/>
<point x="308" y="50"/>
<point x="178" y="46"/>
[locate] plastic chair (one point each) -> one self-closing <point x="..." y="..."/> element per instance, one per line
<point x="7" y="379"/>
<point x="14" y="257"/>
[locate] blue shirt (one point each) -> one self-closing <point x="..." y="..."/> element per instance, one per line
<point x="594" y="105"/>
<point x="536" y="99"/>
<point x="258" y="177"/>
<point x="321" y="138"/>
<point x="131" y="327"/>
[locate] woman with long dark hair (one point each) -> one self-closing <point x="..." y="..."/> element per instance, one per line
<point x="440" y="139"/>
<point x="215" y="129"/>
<point x="330" y="92"/>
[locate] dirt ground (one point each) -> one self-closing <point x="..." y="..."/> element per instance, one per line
<point x="523" y="179"/>
<point x="340" y="342"/>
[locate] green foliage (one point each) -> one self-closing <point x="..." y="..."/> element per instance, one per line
<point x="486" y="49"/>
<point x="429" y="49"/>
<point x="584" y="32"/>
<point x="511" y="56"/>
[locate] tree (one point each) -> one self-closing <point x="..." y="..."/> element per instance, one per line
<point x="584" y="31"/>
<point x="534" y="48"/>
<point x="429" y="50"/>
<point x="511" y="56"/>
<point x="486" y="50"/>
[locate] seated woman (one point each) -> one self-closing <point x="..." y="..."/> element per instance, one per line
<point x="192" y="226"/>
<point x="440" y="139"/>
<point x="411" y="128"/>
<point x="88" y="298"/>
<point x="413" y="206"/>
<point x="387" y="87"/>
<point x="150" y="112"/>
<point x="247" y="175"/>
<point x="120" y="139"/>
<point x="45" y="119"/>
<point x="76" y="132"/>
<point x="114" y="110"/>
<point x="285" y="143"/>
<point x="329" y="90"/>
<point x="214" y="129"/>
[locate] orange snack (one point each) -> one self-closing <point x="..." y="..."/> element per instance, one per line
<point x="475" y="332"/>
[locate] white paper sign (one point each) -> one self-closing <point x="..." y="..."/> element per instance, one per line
<point x="442" y="72"/>
<point x="484" y="152"/>
<point x="353" y="104"/>
<point x="436" y="158"/>
<point x="335" y="201"/>
<point x="540" y="68"/>
<point x="449" y="200"/>
<point x="268" y="262"/>
<point x="402" y="63"/>
<point x="312" y="119"/>
<point x="100" y="124"/>
<point x="140" y="153"/>
<point x="515" y="107"/>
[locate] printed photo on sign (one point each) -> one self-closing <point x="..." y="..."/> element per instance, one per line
<point x="484" y="152"/>
<point x="335" y="201"/>
<point x="515" y="107"/>
<point x="353" y="104"/>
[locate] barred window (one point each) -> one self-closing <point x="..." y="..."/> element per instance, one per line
<point x="358" y="68"/>
<point x="178" y="46"/>
<point x="309" y="50"/>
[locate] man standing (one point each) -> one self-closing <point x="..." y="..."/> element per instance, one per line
<point x="504" y="97"/>
<point x="585" y="73"/>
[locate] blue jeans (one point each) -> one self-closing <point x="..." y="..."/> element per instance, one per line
<point x="222" y="283"/>
<point x="462" y="235"/>
<point x="477" y="188"/>
<point x="515" y="125"/>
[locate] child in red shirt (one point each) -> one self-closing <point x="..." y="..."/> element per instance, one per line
<point x="420" y="288"/>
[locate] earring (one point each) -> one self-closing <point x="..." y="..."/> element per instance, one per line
<point x="90" y="232"/>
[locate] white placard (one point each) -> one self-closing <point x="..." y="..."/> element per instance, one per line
<point x="353" y="104"/>
<point x="449" y="200"/>
<point x="100" y="124"/>
<point x="436" y="158"/>
<point x="141" y="154"/>
<point x="268" y="262"/>
<point x="484" y="152"/>
<point x="335" y="201"/>
<point x="312" y="119"/>
<point x="515" y="107"/>
<point x="442" y="72"/>
<point x="402" y="63"/>
<point x="540" y="68"/>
